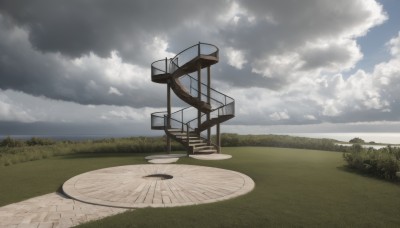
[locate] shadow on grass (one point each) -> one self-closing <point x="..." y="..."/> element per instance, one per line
<point x="367" y="175"/>
<point x="104" y="155"/>
<point x="108" y="155"/>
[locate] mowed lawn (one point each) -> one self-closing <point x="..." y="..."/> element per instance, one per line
<point x="299" y="188"/>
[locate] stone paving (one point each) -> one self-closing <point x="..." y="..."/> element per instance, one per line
<point x="52" y="210"/>
<point x="156" y="185"/>
<point x="164" y="156"/>
<point x="110" y="191"/>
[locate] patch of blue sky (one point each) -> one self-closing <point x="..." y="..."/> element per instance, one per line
<point x="374" y="44"/>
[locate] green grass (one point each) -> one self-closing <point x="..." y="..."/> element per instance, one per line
<point x="294" y="188"/>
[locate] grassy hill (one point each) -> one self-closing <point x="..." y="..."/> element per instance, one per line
<point x="294" y="187"/>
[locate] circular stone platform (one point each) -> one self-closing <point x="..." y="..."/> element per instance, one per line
<point x="154" y="185"/>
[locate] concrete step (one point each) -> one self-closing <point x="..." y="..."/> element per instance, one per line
<point x="174" y="129"/>
<point x="177" y="133"/>
<point x="191" y="141"/>
<point x="184" y="137"/>
<point x="203" y="148"/>
<point x="197" y="144"/>
<point x="205" y="152"/>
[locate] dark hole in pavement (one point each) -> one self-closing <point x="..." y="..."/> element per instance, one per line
<point x="158" y="177"/>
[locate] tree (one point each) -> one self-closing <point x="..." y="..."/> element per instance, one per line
<point x="357" y="140"/>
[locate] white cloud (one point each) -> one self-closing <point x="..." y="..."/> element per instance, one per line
<point x="115" y="91"/>
<point x="309" y="117"/>
<point x="13" y="112"/>
<point x="330" y="108"/>
<point x="362" y="96"/>
<point x="394" y="45"/>
<point x="279" y="116"/>
<point x="282" y="65"/>
<point x="236" y="58"/>
<point x="234" y="15"/>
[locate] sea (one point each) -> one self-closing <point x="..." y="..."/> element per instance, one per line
<point x="377" y="137"/>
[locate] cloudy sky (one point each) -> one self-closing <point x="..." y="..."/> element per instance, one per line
<point x="83" y="67"/>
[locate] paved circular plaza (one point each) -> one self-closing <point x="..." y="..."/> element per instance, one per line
<point x="157" y="185"/>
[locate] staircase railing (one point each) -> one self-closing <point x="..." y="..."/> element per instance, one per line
<point x="191" y="53"/>
<point x="158" y="120"/>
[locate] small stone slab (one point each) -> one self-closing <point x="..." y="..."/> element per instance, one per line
<point x="211" y="156"/>
<point x="157" y="185"/>
<point x="162" y="156"/>
<point x="163" y="160"/>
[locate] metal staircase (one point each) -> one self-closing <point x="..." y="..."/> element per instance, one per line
<point x="208" y="107"/>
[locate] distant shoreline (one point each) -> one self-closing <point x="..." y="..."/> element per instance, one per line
<point x="382" y="138"/>
<point x="377" y="137"/>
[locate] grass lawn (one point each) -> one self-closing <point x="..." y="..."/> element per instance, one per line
<point x="300" y="188"/>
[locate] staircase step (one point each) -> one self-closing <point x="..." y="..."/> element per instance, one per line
<point x="180" y="133"/>
<point x="200" y="148"/>
<point x="184" y="137"/>
<point x="205" y="152"/>
<point x="174" y="129"/>
<point x="194" y="141"/>
<point x="197" y="144"/>
<point x="203" y="147"/>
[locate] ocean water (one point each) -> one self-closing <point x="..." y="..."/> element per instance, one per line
<point x="365" y="145"/>
<point x="377" y="137"/>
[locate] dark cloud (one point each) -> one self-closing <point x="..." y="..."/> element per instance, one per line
<point x="50" y="75"/>
<point x="76" y="28"/>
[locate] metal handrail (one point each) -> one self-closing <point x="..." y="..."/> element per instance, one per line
<point x="174" y="61"/>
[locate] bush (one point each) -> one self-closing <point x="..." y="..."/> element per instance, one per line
<point x="39" y="141"/>
<point x="357" y="140"/>
<point x="382" y="163"/>
<point x="280" y="141"/>
<point x="10" y="142"/>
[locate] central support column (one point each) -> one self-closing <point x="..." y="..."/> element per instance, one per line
<point x="169" y="116"/>
<point x="218" y="138"/>
<point x="199" y="93"/>
<point x="209" y="102"/>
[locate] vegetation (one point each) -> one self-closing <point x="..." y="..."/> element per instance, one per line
<point x="382" y="163"/>
<point x="294" y="188"/>
<point x="9" y="142"/>
<point x="286" y="141"/>
<point x="15" y="151"/>
<point x="357" y="140"/>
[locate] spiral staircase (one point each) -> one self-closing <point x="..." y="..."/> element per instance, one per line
<point x="208" y="107"/>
